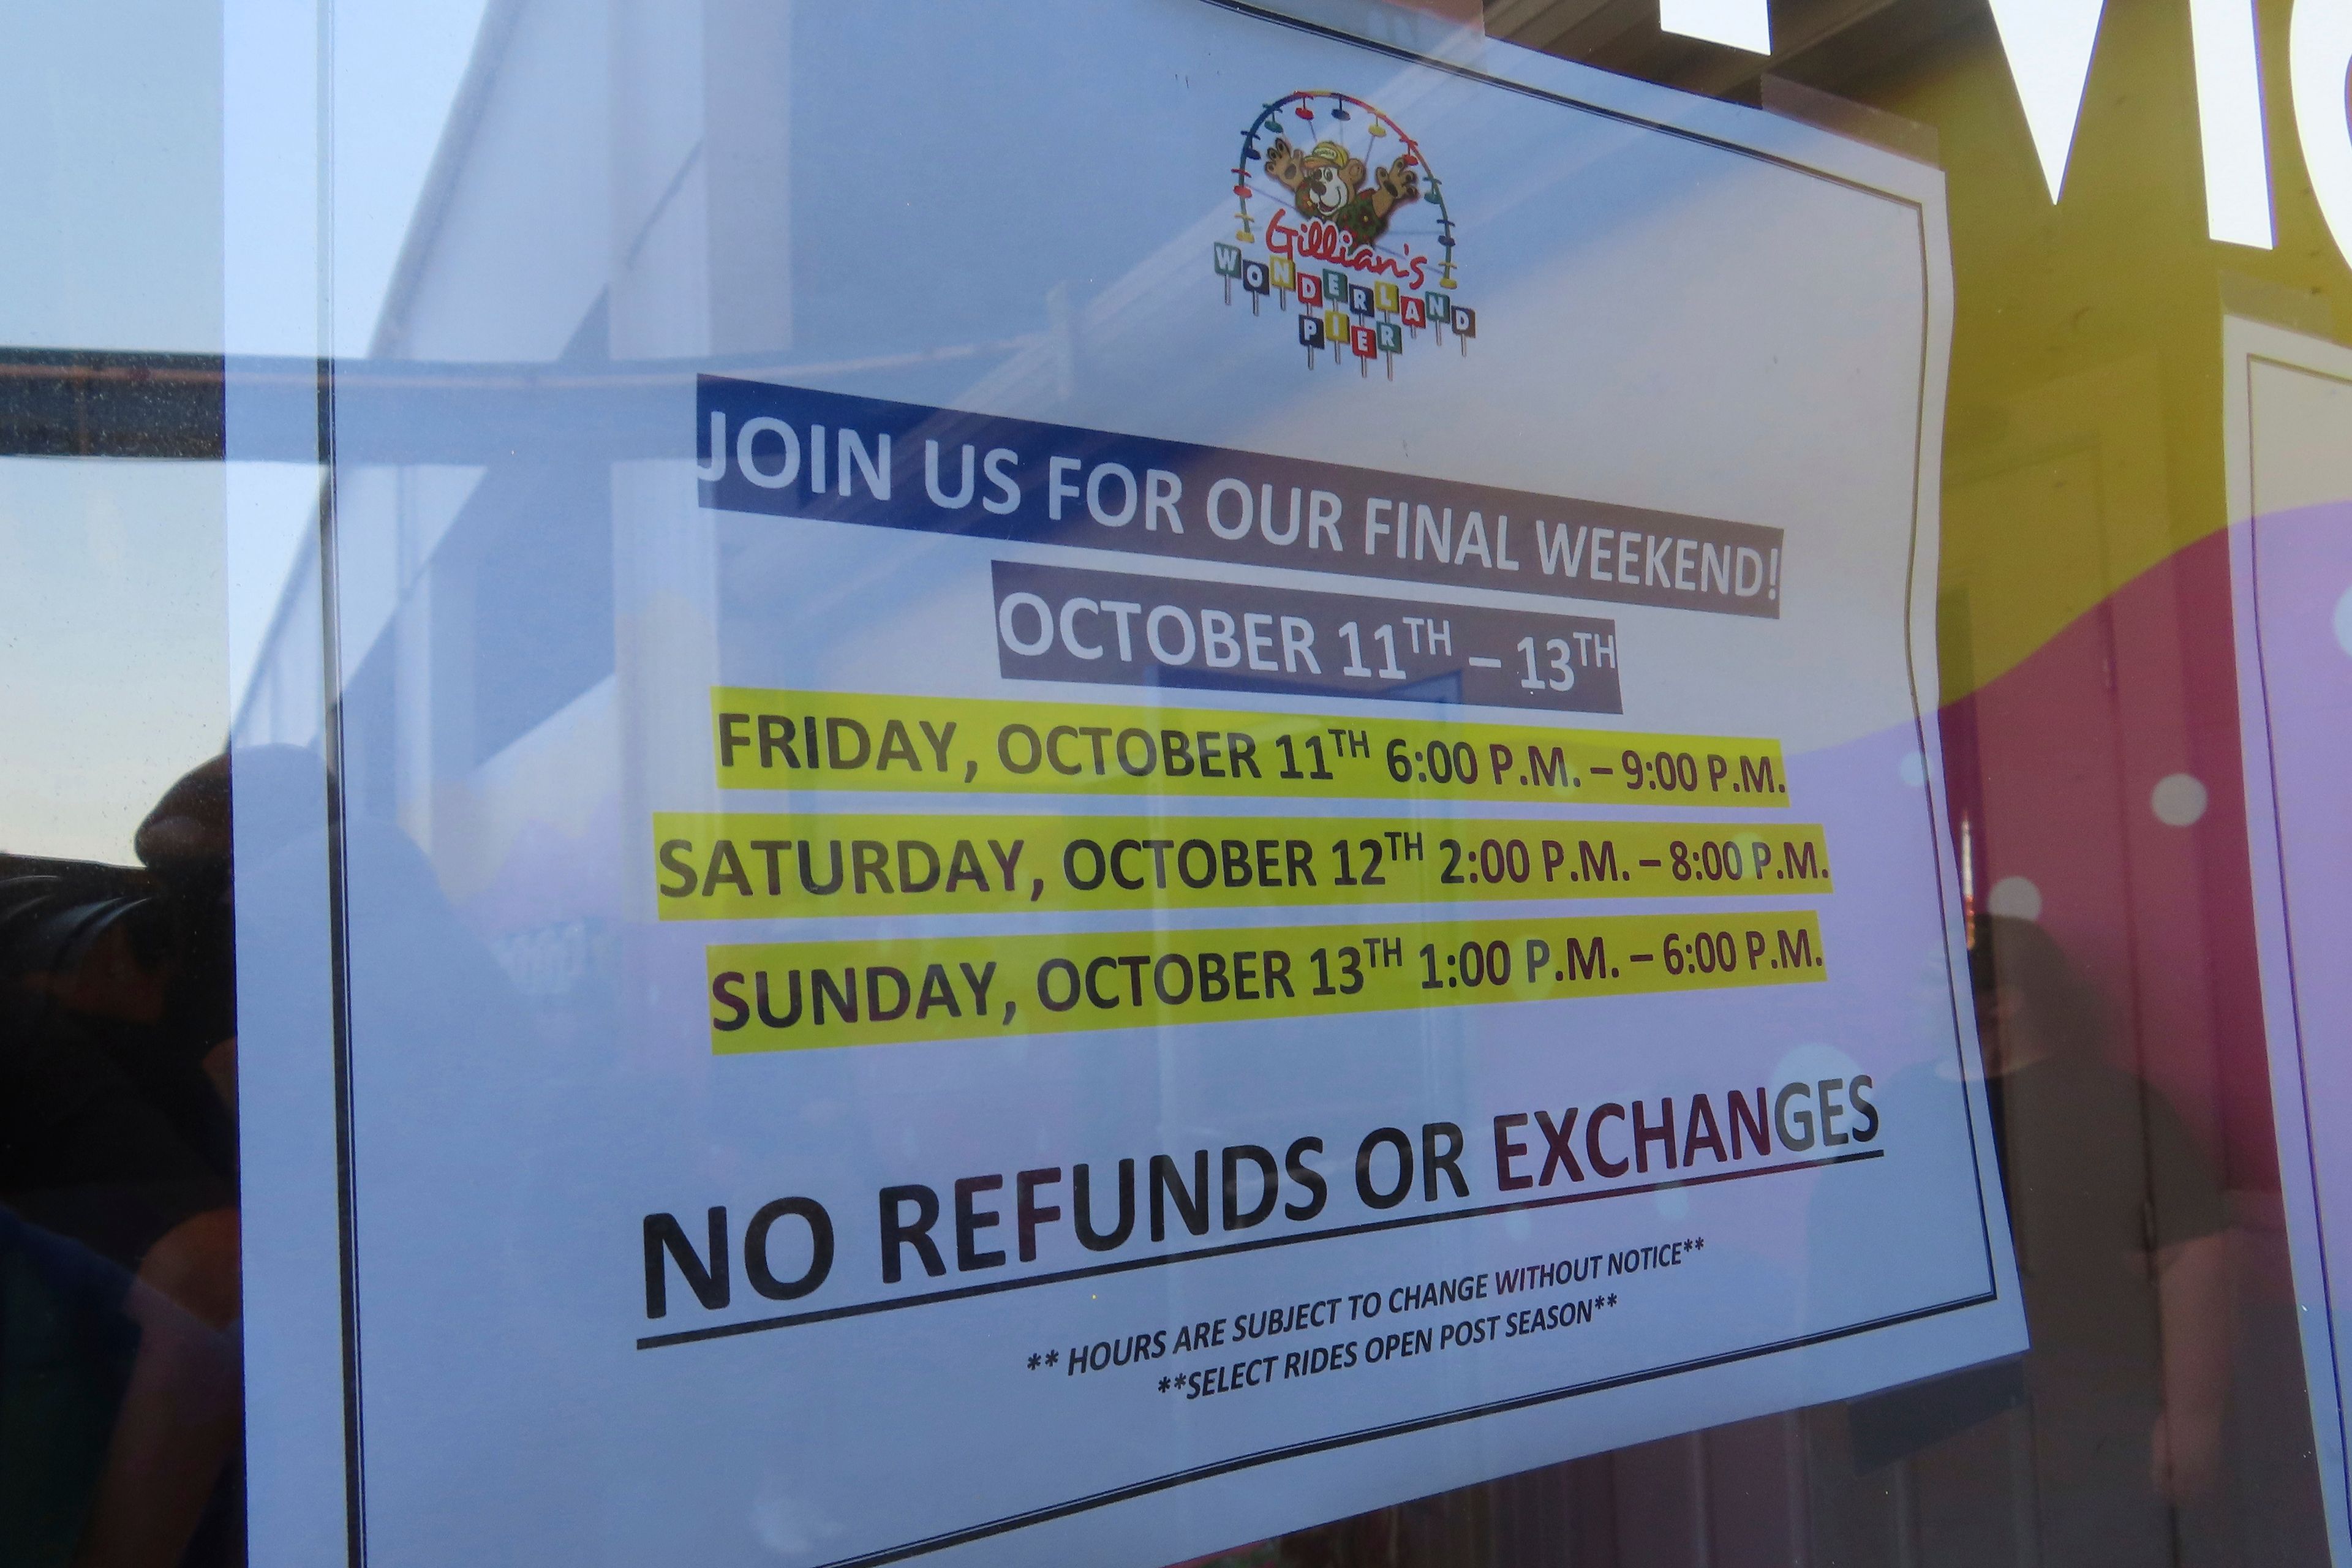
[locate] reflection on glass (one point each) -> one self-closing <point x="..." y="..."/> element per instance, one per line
<point x="119" y="1245"/>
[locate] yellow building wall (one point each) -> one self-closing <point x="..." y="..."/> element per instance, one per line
<point x="2083" y="436"/>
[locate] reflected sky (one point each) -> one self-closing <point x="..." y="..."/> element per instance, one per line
<point x="113" y="595"/>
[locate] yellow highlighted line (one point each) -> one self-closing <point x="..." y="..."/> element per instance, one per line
<point x="865" y="741"/>
<point x="770" y="996"/>
<point x="744" y="865"/>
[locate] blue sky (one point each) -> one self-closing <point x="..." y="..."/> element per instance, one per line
<point x="115" y="606"/>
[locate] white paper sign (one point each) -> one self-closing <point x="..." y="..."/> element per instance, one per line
<point x="1173" y="775"/>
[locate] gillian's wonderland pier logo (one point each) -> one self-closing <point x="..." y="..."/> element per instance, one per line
<point x="1341" y="211"/>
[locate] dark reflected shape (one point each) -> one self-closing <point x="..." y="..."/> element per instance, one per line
<point x="120" y="1372"/>
<point x="2093" y="1447"/>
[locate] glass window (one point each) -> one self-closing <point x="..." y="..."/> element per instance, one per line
<point x="1244" y="782"/>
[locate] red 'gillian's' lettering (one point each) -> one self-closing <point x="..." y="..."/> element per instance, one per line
<point x="1322" y="241"/>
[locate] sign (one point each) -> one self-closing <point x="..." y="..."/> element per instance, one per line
<point x="1053" y="935"/>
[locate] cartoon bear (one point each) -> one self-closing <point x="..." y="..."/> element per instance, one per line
<point x="1327" y="181"/>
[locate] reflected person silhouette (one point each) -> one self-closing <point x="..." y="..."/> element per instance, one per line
<point x="119" y="1238"/>
<point x="2084" y="1451"/>
<point x="2118" y="1223"/>
<point x="2087" y="1449"/>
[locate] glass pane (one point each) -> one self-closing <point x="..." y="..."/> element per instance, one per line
<point x="121" y="1428"/>
<point x="1314" y="783"/>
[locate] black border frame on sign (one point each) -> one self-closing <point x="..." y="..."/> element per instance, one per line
<point x="337" y="893"/>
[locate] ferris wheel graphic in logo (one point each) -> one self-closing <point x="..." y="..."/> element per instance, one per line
<point x="1341" y="212"/>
